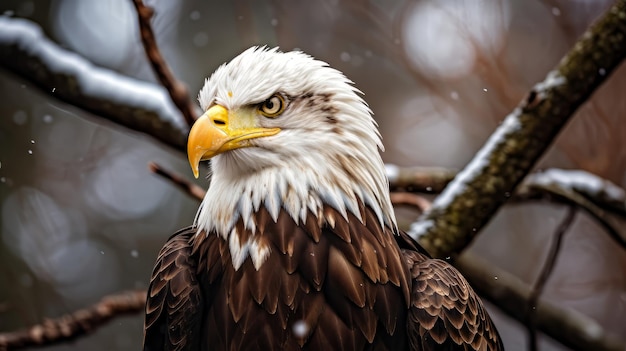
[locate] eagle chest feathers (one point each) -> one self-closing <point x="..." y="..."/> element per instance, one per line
<point x="295" y="245"/>
<point x="320" y="286"/>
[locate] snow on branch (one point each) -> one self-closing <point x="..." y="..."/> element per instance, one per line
<point x="138" y="105"/>
<point x="598" y="197"/>
<point x="480" y="189"/>
<point x="513" y="296"/>
<point x="601" y="191"/>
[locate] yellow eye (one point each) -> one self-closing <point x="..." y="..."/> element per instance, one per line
<point x="273" y="106"/>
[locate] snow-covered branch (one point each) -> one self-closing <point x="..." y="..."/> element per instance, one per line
<point x="602" y="192"/>
<point x="601" y="199"/>
<point x="480" y="189"/>
<point x="577" y="189"/>
<point x="138" y="105"/>
<point x="598" y="197"/>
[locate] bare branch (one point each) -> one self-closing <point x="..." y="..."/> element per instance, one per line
<point x="509" y="292"/>
<point x="593" y="206"/>
<point x="179" y="181"/>
<point x="177" y="90"/>
<point x="511" y="295"/>
<point x="66" y="76"/>
<point x="409" y="199"/>
<point x="573" y="329"/>
<point x="473" y="197"/>
<point x="430" y="180"/>
<point x="76" y="324"/>
<point x="547" y="269"/>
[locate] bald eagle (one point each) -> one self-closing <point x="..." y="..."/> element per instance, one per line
<point x="295" y="245"/>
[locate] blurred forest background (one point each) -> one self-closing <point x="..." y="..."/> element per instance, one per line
<point x="82" y="216"/>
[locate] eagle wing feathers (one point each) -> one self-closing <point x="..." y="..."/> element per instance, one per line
<point x="175" y="300"/>
<point x="445" y="313"/>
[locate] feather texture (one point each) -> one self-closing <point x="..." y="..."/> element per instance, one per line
<point x="295" y="245"/>
<point x="317" y="294"/>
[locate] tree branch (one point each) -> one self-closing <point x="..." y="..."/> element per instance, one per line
<point x="598" y="197"/>
<point x="507" y="292"/>
<point x="474" y="196"/>
<point x="76" y="324"/>
<point x="429" y="180"/>
<point x="409" y="199"/>
<point x="178" y="181"/>
<point x="66" y="76"/>
<point x="511" y="295"/>
<point x="546" y="271"/>
<point x="24" y="51"/>
<point x="602" y="192"/>
<point x="177" y="90"/>
<point x="597" y="204"/>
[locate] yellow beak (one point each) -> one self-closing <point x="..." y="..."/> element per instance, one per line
<point x="219" y="130"/>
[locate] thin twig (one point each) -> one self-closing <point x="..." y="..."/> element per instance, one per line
<point x="409" y="199"/>
<point x="571" y="328"/>
<point x="547" y="269"/>
<point x="512" y="296"/>
<point x="428" y="180"/>
<point x="179" y="181"/>
<point x="177" y="90"/>
<point x="593" y="206"/>
<point x="76" y="324"/>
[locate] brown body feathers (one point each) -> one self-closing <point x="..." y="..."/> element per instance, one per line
<point x="356" y="286"/>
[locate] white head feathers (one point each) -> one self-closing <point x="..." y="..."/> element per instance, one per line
<point x="327" y="151"/>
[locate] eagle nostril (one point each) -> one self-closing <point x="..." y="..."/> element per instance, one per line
<point x="219" y="122"/>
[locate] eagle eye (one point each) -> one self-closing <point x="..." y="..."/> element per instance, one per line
<point x="273" y="106"/>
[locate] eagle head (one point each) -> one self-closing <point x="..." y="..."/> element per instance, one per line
<point x="287" y="132"/>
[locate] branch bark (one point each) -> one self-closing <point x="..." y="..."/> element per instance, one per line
<point x="521" y="303"/>
<point x="76" y="324"/>
<point x="66" y="76"/>
<point x="189" y="188"/>
<point x="511" y="295"/>
<point x="599" y="198"/>
<point x="409" y="199"/>
<point x="24" y="51"/>
<point x="429" y="180"/>
<point x="177" y="90"/>
<point x="593" y="203"/>
<point x="474" y="196"/>
<point x="546" y="271"/>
